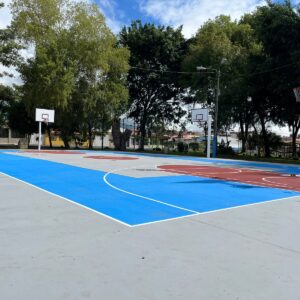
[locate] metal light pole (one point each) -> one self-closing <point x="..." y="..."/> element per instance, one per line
<point x="215" y="144"/>
<point x="218" y="74"/>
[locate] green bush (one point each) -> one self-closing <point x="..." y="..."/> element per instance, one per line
<point x="194" y="146"/>
<point x="182" y="147"/>
<point x="222" y="149"/>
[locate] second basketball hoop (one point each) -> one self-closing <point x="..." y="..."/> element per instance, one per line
<point x="200" y="115"/>
<point x="46" y="116"/>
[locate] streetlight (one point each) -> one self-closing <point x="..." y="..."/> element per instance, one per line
<point x="218" y="73"/>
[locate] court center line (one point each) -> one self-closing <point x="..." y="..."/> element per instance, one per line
<point x="141" y="196"/>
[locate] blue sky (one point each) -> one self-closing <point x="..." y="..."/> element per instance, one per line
<point x="189" y="13"/>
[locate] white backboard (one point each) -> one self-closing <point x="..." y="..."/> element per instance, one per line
<point x="42" y="115"/>
<point x="200" y="115"/>
<point x="297" y="93"/>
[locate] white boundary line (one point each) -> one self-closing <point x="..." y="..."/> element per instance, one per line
<point x="147" y="223"/>
<point x="273" y="177"/>
<point x="140" y="196"/>
<point x="263" y="183"/>
<point x="218" y="210"/>
<point x="192" y="215"/>
<point x="61" y="197"/>
<point x="237" y="171"/>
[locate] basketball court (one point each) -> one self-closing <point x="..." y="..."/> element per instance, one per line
<point x="114" y="225"/>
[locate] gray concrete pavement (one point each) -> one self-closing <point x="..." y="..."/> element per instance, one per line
<point x="53" y="249"/>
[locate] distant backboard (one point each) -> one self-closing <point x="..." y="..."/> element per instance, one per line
<point x="297" y="93"/>
<point x="200" y="115"/>
<point x="44" y="115"/>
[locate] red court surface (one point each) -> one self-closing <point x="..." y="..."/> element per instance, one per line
<point x="250" y="176"/>
<point x="52" y="152"/>
<point x="112" y="157"/>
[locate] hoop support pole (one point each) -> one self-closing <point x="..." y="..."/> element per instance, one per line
<point x="208" y="135"/>
<point x="40" y="136"/>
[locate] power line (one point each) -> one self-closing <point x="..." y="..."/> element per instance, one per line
<point x="168" y="71"/>
<point x="210" y="72"/>
<point x="274" y="69"/>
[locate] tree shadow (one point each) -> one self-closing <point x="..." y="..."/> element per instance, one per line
<point x="231" y="184"/>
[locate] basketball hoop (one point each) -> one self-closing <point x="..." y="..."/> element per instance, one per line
<point x="297" y="93"/>
<point x="200" y="115"/>
<point x="43" y="116"/>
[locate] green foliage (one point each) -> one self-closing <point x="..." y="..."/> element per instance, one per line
<point x="19" y="120"/>
<point x="81" y="70"/>
<point x="194" y="146"/>
<point x="257" y="141"/>
<point x="154" y="93"/>
<point x="7" y="98"/>
<point x="78" y="68"/>
<point x="263" y="40"/>
<point x="182" y="147"/>
<point x="227" y="150"/>
<point x="278" y="28"/>
<point x="9" y="55"/>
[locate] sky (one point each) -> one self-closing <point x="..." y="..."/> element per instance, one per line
<point x="189" y="13"/>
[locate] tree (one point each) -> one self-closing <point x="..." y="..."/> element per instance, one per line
<point x="154" y="91"/>
<point x="9" y="48"/>
<point x="101" y="68"/>
<point x="278" y="28"/>
<point x="49" y="75"/>
<point x="19" y="120"/>
<point x="9" y="56"/>
<point x="233" y="43"/>
<point x="7" y="98"/>
<point x="78" y="69"/>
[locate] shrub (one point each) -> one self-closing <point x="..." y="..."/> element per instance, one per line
<point x="182" y="147"/>
<point x="194" y="146"/>
<point x="222" y="149"/>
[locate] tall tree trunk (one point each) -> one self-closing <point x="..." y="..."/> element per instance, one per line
<point x="116" y="133"/>
<point x="102" y="134"/>
<point x="76" y="142"/>
<point x="27" y="137"/>
<point x="90" y="132"/>
<point x="120" y="139"/>
<point x="244" y="128"/>
<point x="49" y="136"/>
<point x="295" y="130"/>
<point x="142" y="136"/>
<point x="265" y="137"/>
<point x="66" y="141"/>
<point x="243" y="138"/>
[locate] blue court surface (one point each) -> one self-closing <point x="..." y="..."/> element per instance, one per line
<point x="136" y="201"/>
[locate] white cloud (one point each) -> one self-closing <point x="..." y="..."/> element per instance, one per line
<point x="112" y="14"/>
<point x="193" y="13"/>
<point x="5" y="15"/>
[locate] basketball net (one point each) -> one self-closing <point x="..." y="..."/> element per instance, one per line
<point x="45" y="120"/>
<point x="297" y="93"/>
